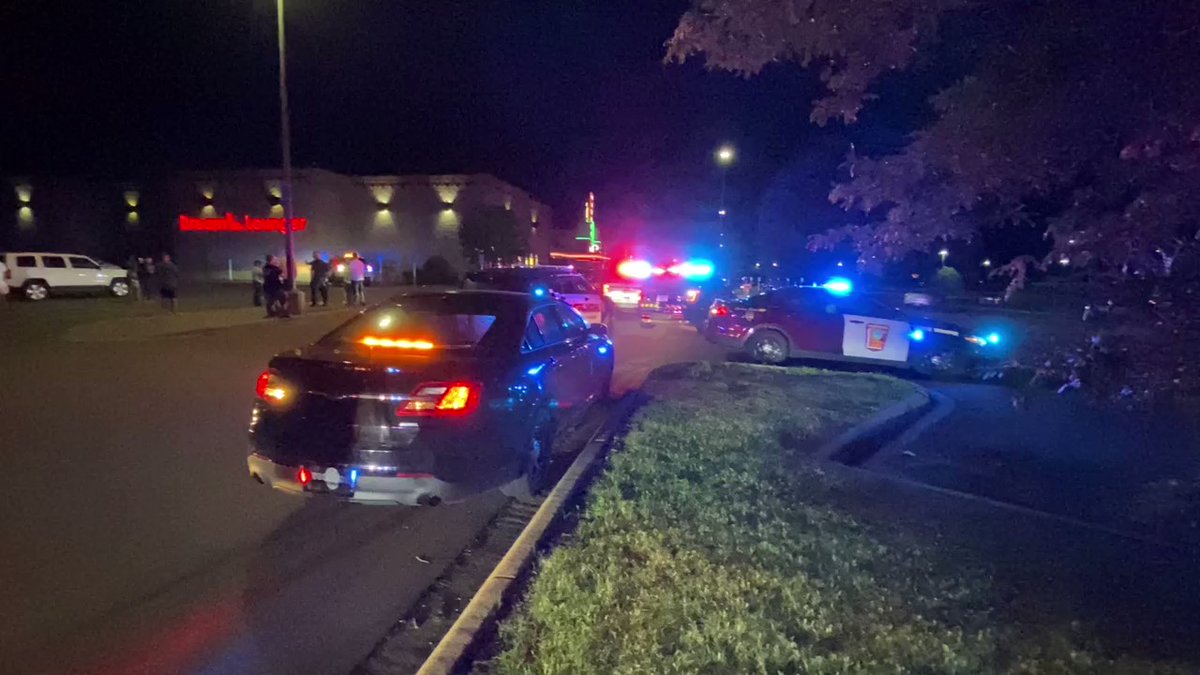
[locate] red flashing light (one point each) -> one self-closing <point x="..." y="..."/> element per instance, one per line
<point x="635" y="269"/>
<point x="304" y="476"/>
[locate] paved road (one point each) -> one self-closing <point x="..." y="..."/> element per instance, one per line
<point x="135" y="542"/>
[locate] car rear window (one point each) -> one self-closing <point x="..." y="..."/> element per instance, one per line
<point x="26" y="261"/>
<point x="426" y="323"/>
<point x="572" y="285"/>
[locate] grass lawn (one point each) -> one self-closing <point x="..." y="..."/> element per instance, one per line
<point x="708" y="546"/>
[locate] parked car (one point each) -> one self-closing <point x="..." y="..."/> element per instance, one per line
<point x="339" y="270"/>
<point x="831" y="323"/>
<point x="559" y="281"/>
<point x="432" y="396"/>
<point x="36" y="275"/>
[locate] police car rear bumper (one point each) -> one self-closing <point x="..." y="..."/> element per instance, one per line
<point x="366" y="485"/>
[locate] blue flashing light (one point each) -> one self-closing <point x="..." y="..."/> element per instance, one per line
<point x="535" y="370"/>
<point x="838" y="286"/>
<point x="993" y="338"/>
<point x="539" y="292"/>
<point x="916" y="335"/>
<point x="353" y="478"/>
<point x="694" y="269"/>
<point x="603" y="349"/>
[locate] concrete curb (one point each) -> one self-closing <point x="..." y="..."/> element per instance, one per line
<point x="942" y="406"/>
<point x="857" y="444"/>
<point x="450" y="651"/>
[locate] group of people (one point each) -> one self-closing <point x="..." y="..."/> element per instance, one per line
<point x="148" y="278"/>
<point x="270" y="283"/>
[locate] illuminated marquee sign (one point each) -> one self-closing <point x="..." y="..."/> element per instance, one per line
<point x="231" y="224"/>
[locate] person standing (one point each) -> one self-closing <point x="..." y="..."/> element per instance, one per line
<point x="168" y="283"/>
<point x="273" y="288"/>
<point x="358" y="276"/>
<point x="3" y="284"/>
<point x="133" y="273"/>
<point x="318" y="285"/>
<point x="256" y="280"/>
<point x="146" y="277"/>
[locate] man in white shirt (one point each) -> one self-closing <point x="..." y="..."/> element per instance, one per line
<point x="358" y="274"/>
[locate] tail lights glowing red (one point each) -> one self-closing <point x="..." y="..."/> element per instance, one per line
<point x="269" y="387"/>
<point x="304" y="476"/>
<point x="719" y="310"/>
<point x="442" y="399"/>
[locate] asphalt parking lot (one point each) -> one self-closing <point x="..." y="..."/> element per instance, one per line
<point x="141" y="545"/>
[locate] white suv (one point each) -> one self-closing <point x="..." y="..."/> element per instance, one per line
<point x="35" y="274"/>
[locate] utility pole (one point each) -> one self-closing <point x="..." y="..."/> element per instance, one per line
<point x="295" y="302"/>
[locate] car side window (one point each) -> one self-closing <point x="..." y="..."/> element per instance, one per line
<point x="549" y="325"/>
<point x="54" y="261"/>
<point x="533" y="337"/>
<point x="26" y="261"/>
<point x="79" y="262"/>
<point x="573" y="324"/>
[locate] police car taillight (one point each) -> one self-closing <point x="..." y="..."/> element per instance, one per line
<point x="442" y="399"/>
<point x="719" y="310"/>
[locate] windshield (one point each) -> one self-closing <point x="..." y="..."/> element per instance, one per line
<point x="421" y="324"/>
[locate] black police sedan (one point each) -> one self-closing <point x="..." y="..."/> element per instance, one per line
<point x="432" y="396"/>
<point x="830" y="322"/>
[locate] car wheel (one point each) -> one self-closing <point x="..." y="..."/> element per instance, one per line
<point x="36" y="290"/>
<point x="539" y="448"/>
<point x="119" y="287"/>
<point x="768" y="346"/>
<point x="949" y="364"/>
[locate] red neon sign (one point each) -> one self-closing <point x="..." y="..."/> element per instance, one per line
<point x="231" y="224"/>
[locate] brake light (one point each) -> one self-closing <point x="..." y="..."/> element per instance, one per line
<point x="8" y="274"/>
<point x="442" y="399"/>
<point x="304" y="476"/>
<point x="389" y="343"/>
<point x="269" y="387"/>
<point x="719" y="310"/>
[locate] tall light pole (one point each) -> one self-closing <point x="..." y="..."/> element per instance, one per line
<point x="285" y="141"/>
<point x="725" y="155"/>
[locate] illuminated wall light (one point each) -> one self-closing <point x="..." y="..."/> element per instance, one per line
<point x="24" y="193"/>
<point x="383" y="194"/>
<point x="508" y="202"/>
<point x="25" y="217"/>
<point x="448" y="221"/>
<point x="533" y="215"/>
<point x="448" y="192"/>
<point x="131" y="198"/>
<point x="209" y="211"/>
<point x="384" y="218"/>
<point x="276" y="210"/>
<point x="274" y="188"/>
<point x="132" y="218"/>
<point x="207" y="191"/>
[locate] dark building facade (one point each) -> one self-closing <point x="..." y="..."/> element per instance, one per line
<point x="217" y="223"/>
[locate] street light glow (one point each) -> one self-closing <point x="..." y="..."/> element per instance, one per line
<point x="725" y="155"/>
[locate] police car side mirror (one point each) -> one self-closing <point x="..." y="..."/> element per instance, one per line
<point x="598" y="329"/>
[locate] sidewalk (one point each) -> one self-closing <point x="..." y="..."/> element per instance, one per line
<point x="1128" y="470"/>
<point x="184" y="323"/>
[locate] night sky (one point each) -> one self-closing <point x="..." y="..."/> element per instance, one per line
<point x="558" y="96"/>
